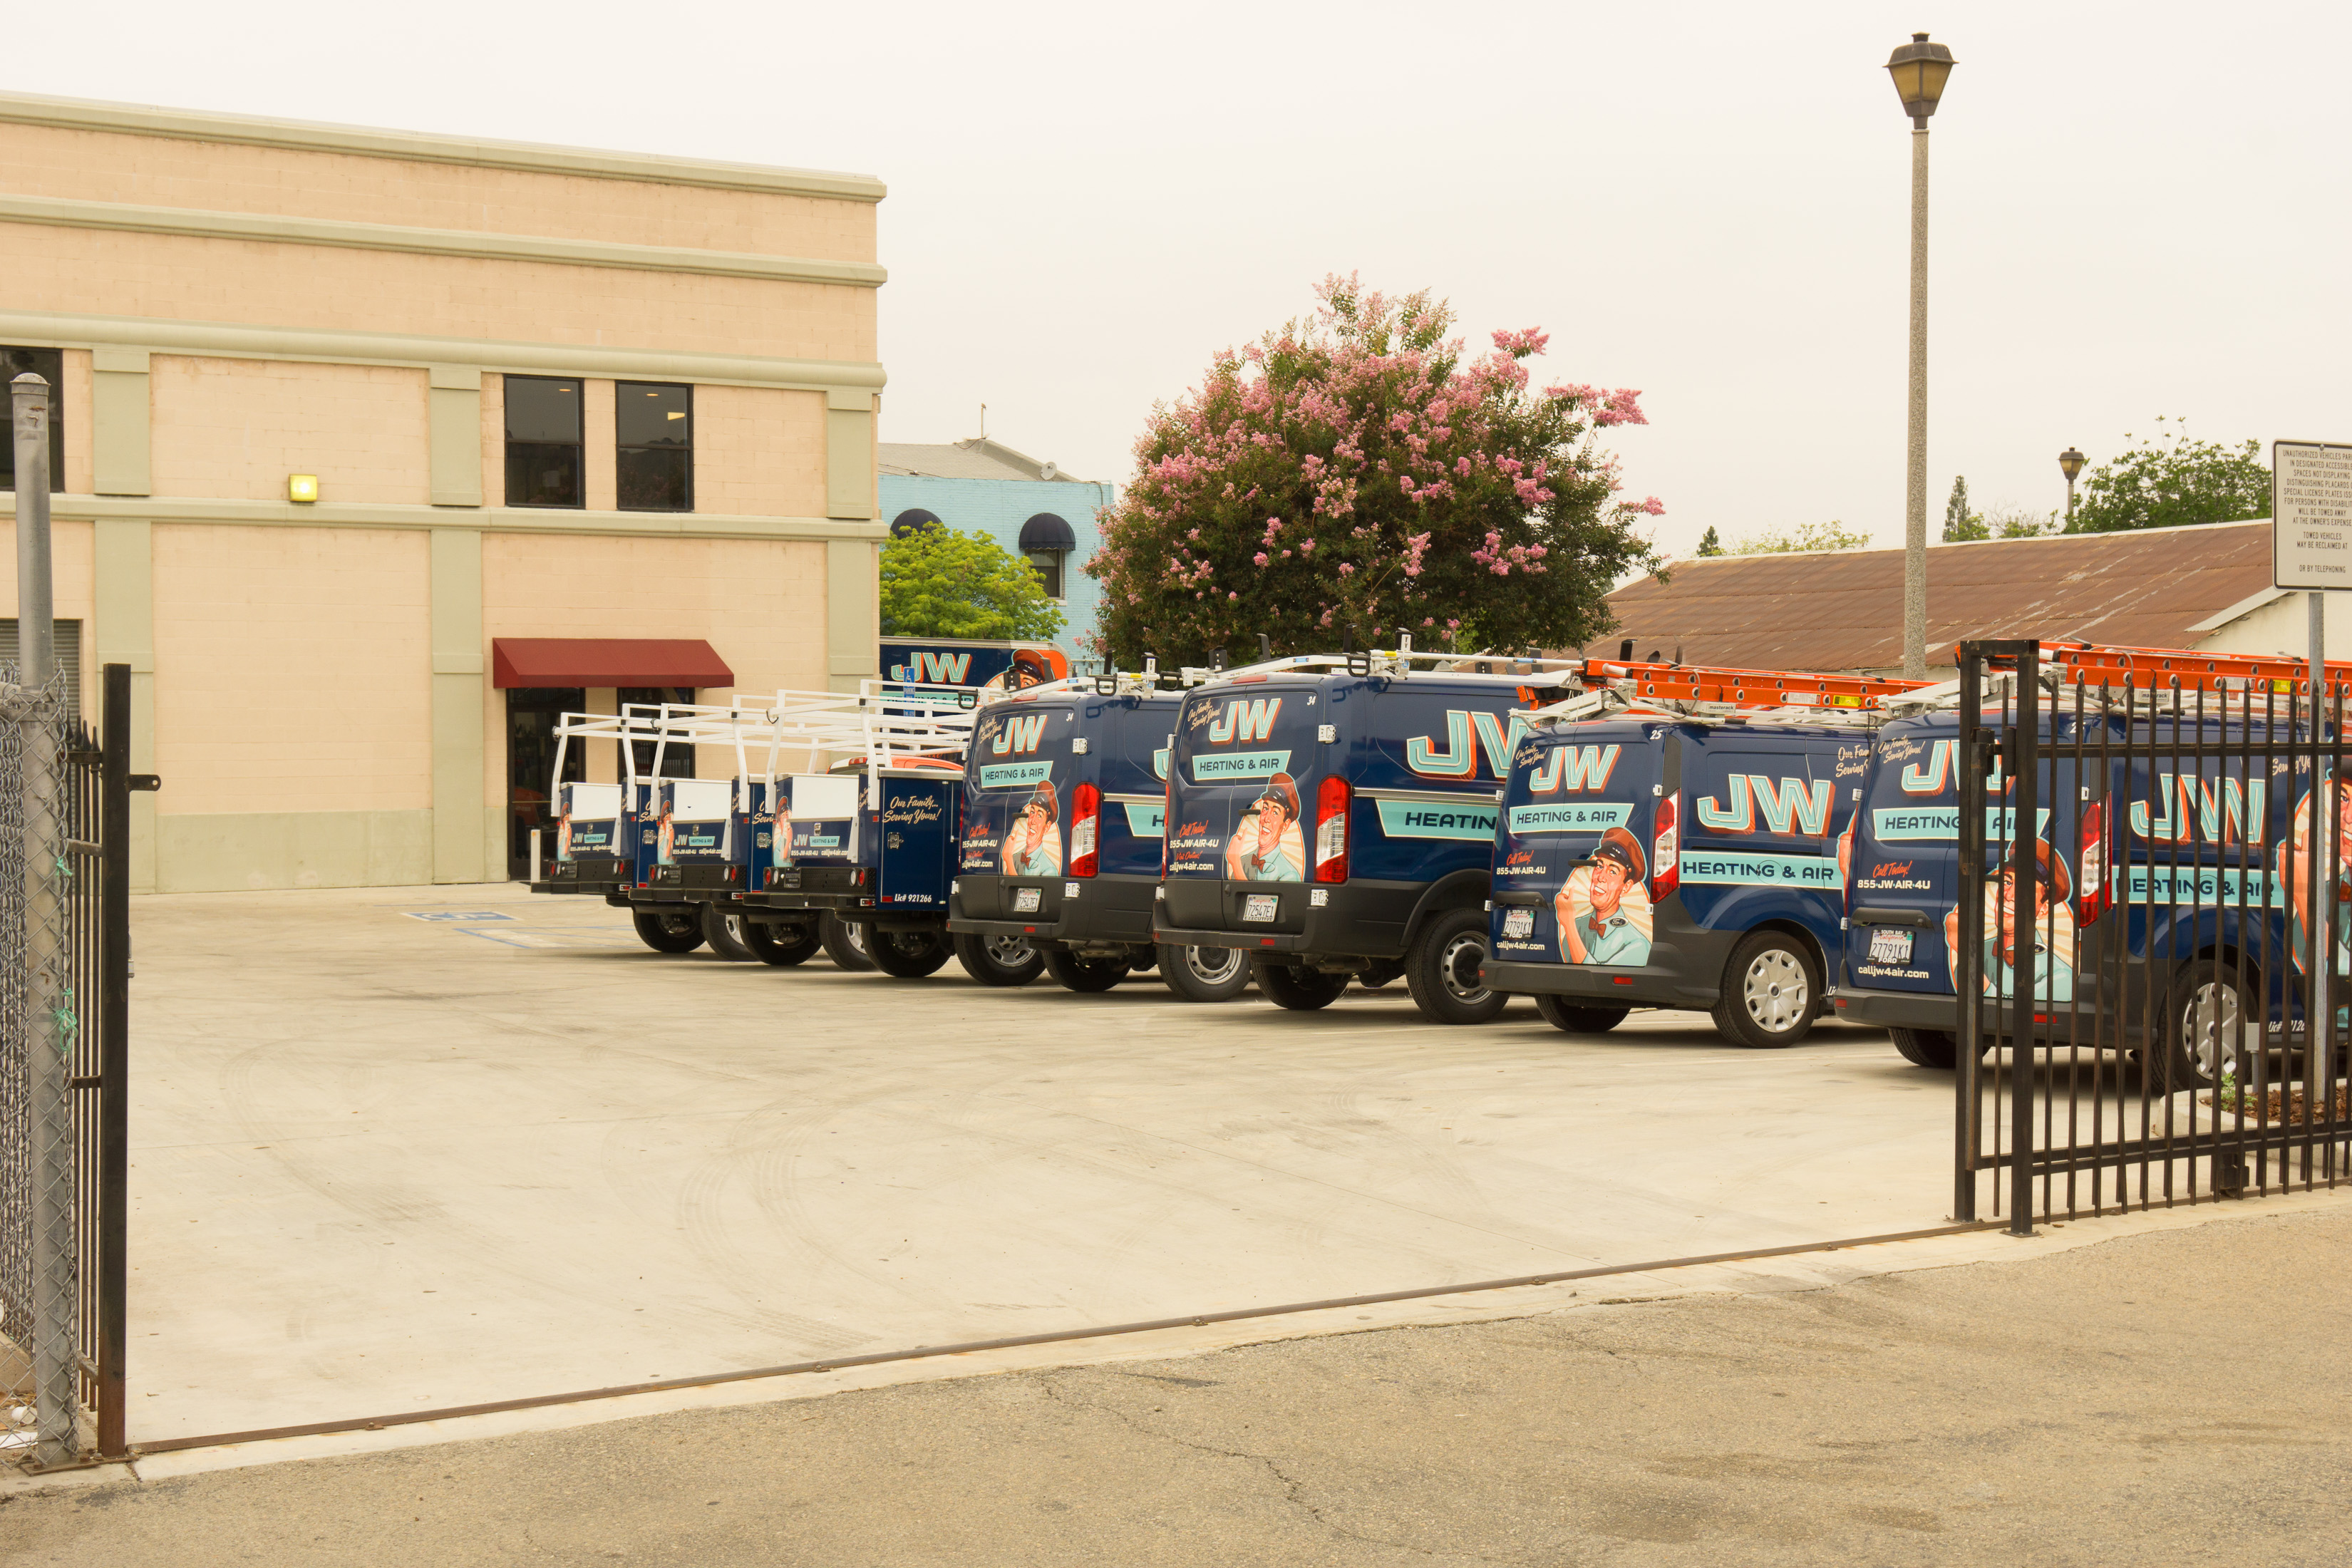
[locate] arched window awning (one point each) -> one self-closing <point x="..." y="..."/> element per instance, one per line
<point x="910" y="520"/>
<point x="1047" y="531"/>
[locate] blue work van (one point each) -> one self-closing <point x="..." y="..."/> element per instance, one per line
<point x="1660" y="860"/>
<point x="1334" y="818"/>
<point x="2169" y="881"/>
<point x="970" y="664"/>
<point x="1064" y="795"/>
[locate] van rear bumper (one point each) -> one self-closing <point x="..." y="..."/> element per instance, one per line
<point x="1647" y="986"/>
<point x="1104" y="912"/>
<point x="1897" y="1009"/>
<point x="1356" y="920"/>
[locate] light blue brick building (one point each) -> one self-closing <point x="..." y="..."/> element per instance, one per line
<point x="1030" y="508"/>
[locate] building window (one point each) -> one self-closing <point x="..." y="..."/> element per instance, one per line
<point x="543" y="442"/>
<point x="653" y="427"/>
<point x="50" y="364"/>
<point x="677" y="758"/>
<point x="1048" y="542"/>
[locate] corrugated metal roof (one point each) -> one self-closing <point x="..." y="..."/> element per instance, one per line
<point x="1843" y="609"/>
<point x="979" y="459"/>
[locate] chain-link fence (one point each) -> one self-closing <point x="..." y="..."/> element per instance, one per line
<point x="62" y="991"/>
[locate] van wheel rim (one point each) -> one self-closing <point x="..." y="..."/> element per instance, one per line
<point x="1459" y="965"/>
<point x="679" y="925"/>
<point x="1777" y="991"/>
<point x="2215" y="1029"/>
<point x="1229" y="959"/>
<point x="1008" y="951"/>
<point x="856" y="936"/>
<point x="735" y="930"/>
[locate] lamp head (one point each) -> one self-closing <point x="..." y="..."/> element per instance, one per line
<point x="1920" y="69"/>
<point x="2070" y="463"/>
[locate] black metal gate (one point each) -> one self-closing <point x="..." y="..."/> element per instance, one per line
<point x="2148" y="858"/>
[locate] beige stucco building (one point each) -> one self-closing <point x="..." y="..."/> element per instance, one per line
<point x="545" y="392"/>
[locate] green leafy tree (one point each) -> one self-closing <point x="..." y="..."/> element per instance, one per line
<point x="2007" y="521"/>
<point x="1359" y="472"/>
<point x="1708" y="544"/>
<point x="1830" y="535"/>
<point x="2173" y="482"/>
<point x="1959" y="522"/>
<point x="937" y="582"/>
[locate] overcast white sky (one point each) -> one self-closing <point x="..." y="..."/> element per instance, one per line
<point x="2140" y="209"/>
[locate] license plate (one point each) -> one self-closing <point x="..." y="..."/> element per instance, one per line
<point x="1890" y="945"/>
<point x="1519" y="923"/>
<point x="1260" y="908"/>
<point x="1026" y="900"/>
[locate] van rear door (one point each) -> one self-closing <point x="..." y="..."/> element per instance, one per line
<point x="1570" y="789"/>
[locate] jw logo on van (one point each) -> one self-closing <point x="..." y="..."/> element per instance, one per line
<point x="1459" y="759"/>
<point x="1251" y="719"/>
<point x="2195" y="809"/>
<point x="1935" y="775"/>
<point x="1019" y="734"/>
<point x="1573" y="768"/>
<point x="934" y="669"/>
<point x="1761" y="804"/>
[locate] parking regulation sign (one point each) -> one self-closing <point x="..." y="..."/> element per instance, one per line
<point x="2311" y="515"/>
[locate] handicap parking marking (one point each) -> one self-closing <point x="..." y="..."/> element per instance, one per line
<point x="455" y="915"/>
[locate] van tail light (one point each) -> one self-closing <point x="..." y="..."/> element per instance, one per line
<point x="1333" y="799"/>
<point x="1167" y="816"/>
<point x="1666" y="862"/>
<point x="1086" y="821"/>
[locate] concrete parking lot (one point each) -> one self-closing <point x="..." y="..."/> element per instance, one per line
<point x="409" y="1149"/>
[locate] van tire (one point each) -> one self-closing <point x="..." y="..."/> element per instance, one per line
<point x="782" y="946"/>
<point x="1285" y="985"/>
<point x="2206" y="996"/>
<point x="722" y="932"/>
<point x="991" y="959"/>
<point x="1934" y="1049"/>
<point x="908" y="954"/>
<point x="1441" y="970"/>
<point x="1085" y="975"/>
<point x="1205" y="973"/>
<point x="667" y="930"/>
<point x="1576" y="1017"/>
<point x="849" y="946"/>
<point x="1768" y="990"/>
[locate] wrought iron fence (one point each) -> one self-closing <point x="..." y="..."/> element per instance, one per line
<point x="2147" y="867"/>
<point x="64" y="924"/>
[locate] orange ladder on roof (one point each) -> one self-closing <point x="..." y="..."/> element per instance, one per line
<point x="2186" y="670"/>
<point x="1747" y="687"/>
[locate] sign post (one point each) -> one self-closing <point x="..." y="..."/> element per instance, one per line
<point x="2311" y="549"/>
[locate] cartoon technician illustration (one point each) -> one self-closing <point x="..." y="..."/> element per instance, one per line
<point x="2298" y="885"/>
<point x="1595" y="925"/>
<point x="1034" y="846"/>
<point x="1268" y="844"/>
<point x="2051" y="936"/>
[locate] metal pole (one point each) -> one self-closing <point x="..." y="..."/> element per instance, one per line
<point x="49" y="1010"/>
<point x="2025" y="833"/>
<point x="2320" y="1029"/>
<point x="1915" y="516"/>
<point x="114" y="1063"/>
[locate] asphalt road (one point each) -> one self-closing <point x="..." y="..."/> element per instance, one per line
<point x="2166" y="1398"/>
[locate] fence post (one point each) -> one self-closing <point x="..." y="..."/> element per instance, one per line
<point x="1967" y="1039"/>
<point x="48" y="1003"/>
<point x="114" y="1061"/>
<point x="2024" y="840"/>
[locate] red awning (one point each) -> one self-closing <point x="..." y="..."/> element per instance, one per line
<point x="607" y="662"/>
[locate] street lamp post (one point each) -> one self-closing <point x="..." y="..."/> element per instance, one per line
<point x="1920" y="69"/>
<point x="2070" y="463"/>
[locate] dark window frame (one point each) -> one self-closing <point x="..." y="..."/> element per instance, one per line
<point x="621" y="450"/>
<point x="579" y="445"/>
<point x="15" y="359"/>
<point x="1052" y="573"/>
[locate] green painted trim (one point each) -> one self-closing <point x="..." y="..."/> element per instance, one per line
<point x="456" y="640"/>
<point x="293" y="850"/>
<point x="530" y="157"/>
<point x="122" y="552"/>
<point x="133" y="361"/>
<point x="188" y="222"/>
<point x="120" y="449"/>
<point x="488" y="520"/>
<point x="231" y="340"/>
<point x="454" y="437"/>
<point x="852" y="612"/>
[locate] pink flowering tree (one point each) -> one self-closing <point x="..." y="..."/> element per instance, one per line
<point x="1356" y="472"/>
